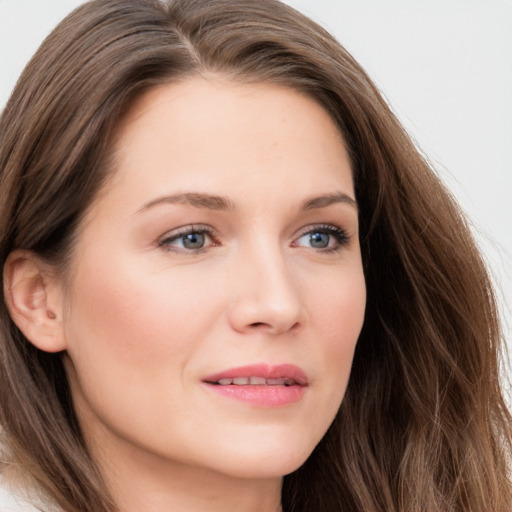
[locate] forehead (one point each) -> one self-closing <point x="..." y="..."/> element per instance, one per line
<point x="219" y="137"/>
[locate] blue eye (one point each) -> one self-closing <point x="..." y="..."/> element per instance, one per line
<point x="190" y="239"/>
<point x="193" y="240"/>
<point x="319" y="240"/>
<point x="323" y="238"/>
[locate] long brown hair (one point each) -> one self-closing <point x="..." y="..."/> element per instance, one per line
<point x="423" y="425"/>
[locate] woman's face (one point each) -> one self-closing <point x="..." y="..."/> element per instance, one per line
<point x="217" y="290"/>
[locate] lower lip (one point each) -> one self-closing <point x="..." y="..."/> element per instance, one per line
<point x="261" y="396"/>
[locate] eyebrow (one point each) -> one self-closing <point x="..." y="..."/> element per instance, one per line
<point x="328" y="200"/>
<point x="220" y="203"/>
<point x="207" y="201"/>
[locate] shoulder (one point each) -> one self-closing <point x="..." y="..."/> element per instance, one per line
<point x="17" y="498"/>
<point x="11" y="501"/>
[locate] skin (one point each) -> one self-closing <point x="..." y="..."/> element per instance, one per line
<point x="147" y="317"/>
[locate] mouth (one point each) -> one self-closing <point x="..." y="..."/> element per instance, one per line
<point x="255" y="381"/>
<point x="260" y="385"/>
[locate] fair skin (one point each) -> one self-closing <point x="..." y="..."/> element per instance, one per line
<point x="227" y="237"/>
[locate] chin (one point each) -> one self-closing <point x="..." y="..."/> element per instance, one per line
<point x="271" y="461"/>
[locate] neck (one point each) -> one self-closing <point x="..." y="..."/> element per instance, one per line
<point x="141" y="481"/>
<point x="188" y="489"/>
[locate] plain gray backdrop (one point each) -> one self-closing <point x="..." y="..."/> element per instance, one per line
<point x="445" y="67"/>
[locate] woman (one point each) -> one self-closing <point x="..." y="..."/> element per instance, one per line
<point x="231" y="281"/>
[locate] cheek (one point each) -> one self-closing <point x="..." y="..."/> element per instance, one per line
<point x="131" y="331"/>
<point x="122" y="308"/>
<point x="338" y="311"/>
<point x="337" y="317"/>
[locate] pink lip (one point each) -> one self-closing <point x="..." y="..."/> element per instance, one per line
<point x="267" y="396"/>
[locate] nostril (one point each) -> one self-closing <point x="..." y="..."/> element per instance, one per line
<point x="265" y="326"/>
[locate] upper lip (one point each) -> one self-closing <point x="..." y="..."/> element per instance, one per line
<point x="290" y="372"/>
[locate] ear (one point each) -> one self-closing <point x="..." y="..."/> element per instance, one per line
<point x="34" y="300"/>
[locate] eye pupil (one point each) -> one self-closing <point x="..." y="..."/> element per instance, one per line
<point x="319" y="240"/>
<point x="193" y="240"/>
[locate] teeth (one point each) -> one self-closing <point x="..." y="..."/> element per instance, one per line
<point x="255" y="381"/>
<point x="275" y="382"/>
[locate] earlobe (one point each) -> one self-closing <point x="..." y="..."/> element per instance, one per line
<point x="34" y="301"/>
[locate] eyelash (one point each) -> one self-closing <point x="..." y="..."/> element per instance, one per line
<point x="188" y="230"/>
<point x="340" y="235"/>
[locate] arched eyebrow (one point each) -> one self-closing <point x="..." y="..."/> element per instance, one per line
<point x="325" y="201"/>
<point x="207" y="201"/>
<point x="221" y="203"/>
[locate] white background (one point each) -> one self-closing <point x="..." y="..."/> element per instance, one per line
<point x="445" y="66"/>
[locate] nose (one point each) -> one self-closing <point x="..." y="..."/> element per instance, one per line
<point x="265" y="296"/>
